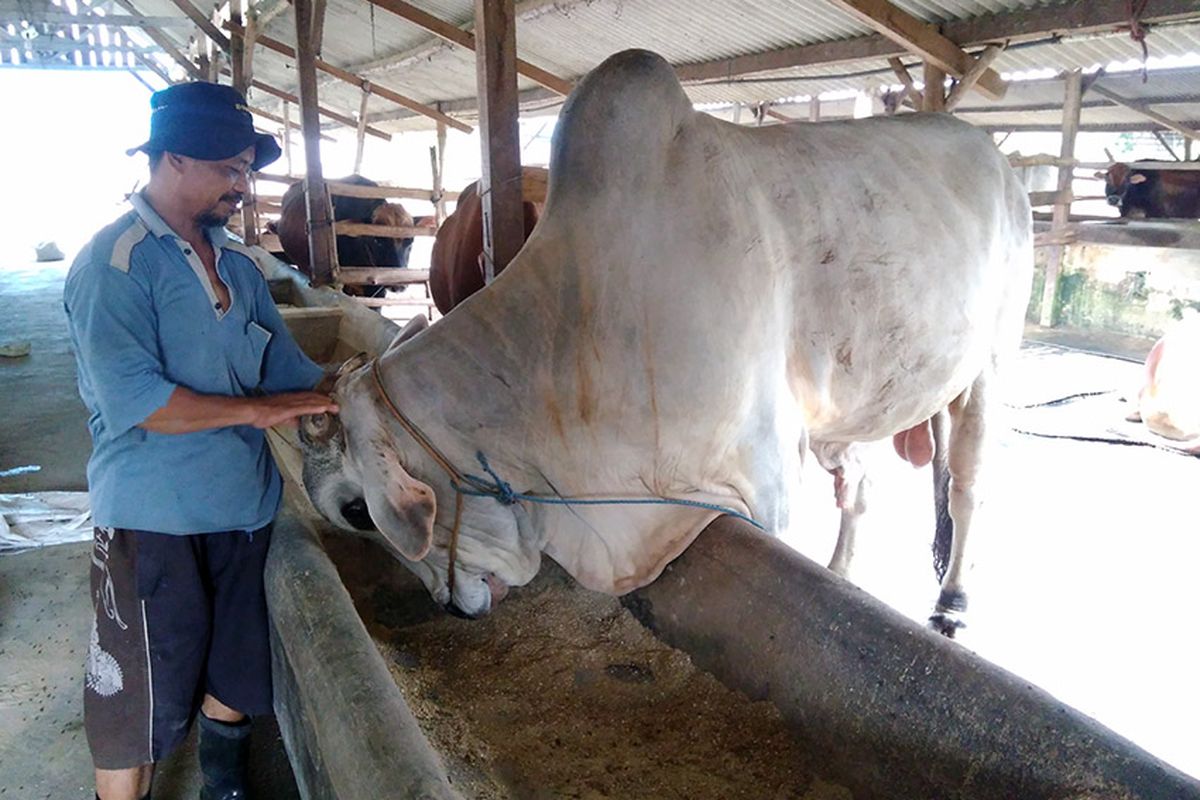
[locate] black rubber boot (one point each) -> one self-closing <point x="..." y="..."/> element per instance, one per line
<point x="224" y="747"/>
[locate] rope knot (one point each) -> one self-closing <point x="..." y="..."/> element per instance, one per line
<point x="502" y="490"/>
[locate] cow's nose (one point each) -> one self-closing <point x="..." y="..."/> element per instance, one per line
<point x="356" y="513"/>
<point x="1114" y="200"/>
<point x="454" y="611"/>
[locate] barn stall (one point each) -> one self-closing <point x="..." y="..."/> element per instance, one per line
<point x="810" y="51"/>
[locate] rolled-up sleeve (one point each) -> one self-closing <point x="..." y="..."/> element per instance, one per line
<point x="115" y="334"/>
<point x="286" y="368"/>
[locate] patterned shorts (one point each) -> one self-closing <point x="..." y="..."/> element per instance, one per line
<point x="176" y="617"/>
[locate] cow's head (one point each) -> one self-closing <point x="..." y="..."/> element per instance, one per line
<point x="365" y="474"/>
<point x="1117" y="180"/>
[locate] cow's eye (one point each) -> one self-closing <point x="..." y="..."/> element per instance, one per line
<point x="319" y="428"/>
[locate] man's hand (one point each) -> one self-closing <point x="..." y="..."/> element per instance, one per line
<point x="286" y="409"/>
<point x="188" y="412"/>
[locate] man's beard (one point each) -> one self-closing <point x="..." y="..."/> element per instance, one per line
<point x="213" y="219"/>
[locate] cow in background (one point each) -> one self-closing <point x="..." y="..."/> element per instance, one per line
<point x="1169" y="400"/>
<point x="456" y="264"/>
<point x="352" y="251"/>
<point x="1152" y="193"/>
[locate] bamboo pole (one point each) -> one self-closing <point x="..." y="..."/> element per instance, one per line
<point x="287" y="136"/>
<point x="1072" y="103"/>
<point x="362" y="128"/>
<point x="322" y="252"/>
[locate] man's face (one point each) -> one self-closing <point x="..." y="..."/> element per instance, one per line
<point x="215" y="189"/>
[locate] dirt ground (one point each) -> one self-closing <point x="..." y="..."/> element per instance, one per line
<point x="561" y="693"/>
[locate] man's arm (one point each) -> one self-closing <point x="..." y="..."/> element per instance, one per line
<point x="188" y="412"/>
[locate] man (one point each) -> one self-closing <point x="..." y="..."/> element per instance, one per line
<point x="183" y="362"/>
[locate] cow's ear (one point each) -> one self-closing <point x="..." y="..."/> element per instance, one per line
<point x="1137" y="177"/>
<point x="402" y="507"/>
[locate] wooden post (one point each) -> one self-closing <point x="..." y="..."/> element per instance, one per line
<point x="322" y="254"/>
<point x="814" y="109"/>
<point x="437" y="159"/>
<point x="241" y="81"/>
<point x="1072" y="101"/>
<point x="287" y="136"/>
<point x="500" y="182"/>
<point x="737" y="113"/>
<point x="362" y="128"/>
<point x="935" y="88"/>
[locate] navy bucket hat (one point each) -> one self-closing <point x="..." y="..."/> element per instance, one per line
<point x="206" y="121"/>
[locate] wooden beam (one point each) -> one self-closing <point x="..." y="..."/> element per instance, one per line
<point x="1148" y="113"/>
<point x="204" y="23"/>
<point x="773" y="114"/>
<point x="982" y="62"/>
<point x="385" y="276"/>
<point x="349" y="122"/>
<point x="921" y="38"/>
<point x="273" y="11"/>
<point x="1166" y="145"/>
<point x="438" y="155"/>
<point x="318" y="26"/>
<point x="343" y="228"/>
<point x="910" y="87"/>
<point x="149" y="64"/>
<point x="342" y="189"/>
<point x="500" y="181"/>
<point x="166" y="43"/>
<point x="1060" y="19"/>
<point x="1072" y="103"/>
<point x="363" y="83"/>
<point x="322" y="251"/>
<point x="934" y="98"/>
<point x="467" y="39"/>
<point x="14" y="15"/>
<point x="241" y="80"/>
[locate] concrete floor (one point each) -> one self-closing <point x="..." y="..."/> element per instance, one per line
<point x="1085" y="558"/>
<point x="45" y="610"/>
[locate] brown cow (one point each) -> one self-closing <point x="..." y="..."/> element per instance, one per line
<point x="456" y="264"/>
<point x="352" y="251"/>
<point x="1145" y="193"/>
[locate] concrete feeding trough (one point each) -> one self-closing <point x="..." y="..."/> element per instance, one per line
<point x="875" y="705"/>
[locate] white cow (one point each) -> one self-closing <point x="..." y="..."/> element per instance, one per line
<point x="697" y="299"/>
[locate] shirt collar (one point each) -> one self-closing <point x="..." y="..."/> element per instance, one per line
<point x="218" y="236"/>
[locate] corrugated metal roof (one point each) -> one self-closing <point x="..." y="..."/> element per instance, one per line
<point x="570" y="37"/>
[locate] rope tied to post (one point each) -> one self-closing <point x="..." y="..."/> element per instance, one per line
<point x="500" y="490"/>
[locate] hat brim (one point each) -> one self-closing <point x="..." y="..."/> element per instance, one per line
<point x="266" y="150"/>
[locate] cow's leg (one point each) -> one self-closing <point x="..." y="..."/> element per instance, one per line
<point x="968" y="432"/>
<point x="849" y="488"/>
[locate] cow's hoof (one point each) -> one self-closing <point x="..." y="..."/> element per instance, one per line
<point x="947" y="623"/>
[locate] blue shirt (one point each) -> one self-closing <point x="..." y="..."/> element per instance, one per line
<point x="144" y="319"/>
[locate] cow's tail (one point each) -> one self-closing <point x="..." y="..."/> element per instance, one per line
<point x="943" y="535"/>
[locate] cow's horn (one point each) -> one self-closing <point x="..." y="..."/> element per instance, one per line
<point x="1108" y="153"/>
